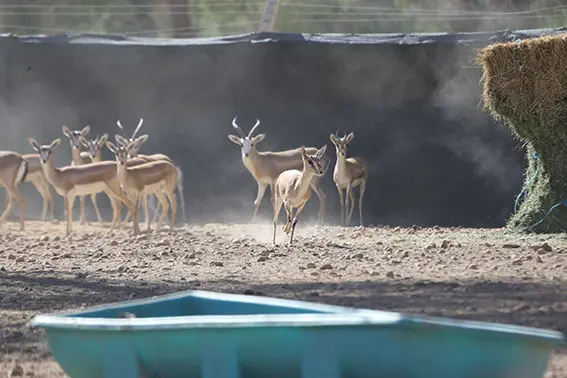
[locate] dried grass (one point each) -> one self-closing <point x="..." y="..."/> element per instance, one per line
<point x="525" y="84"/>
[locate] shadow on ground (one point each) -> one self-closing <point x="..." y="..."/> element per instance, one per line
<point x="526" y="303"/>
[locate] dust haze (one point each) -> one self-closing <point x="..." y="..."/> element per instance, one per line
<point x="189" y="95"/>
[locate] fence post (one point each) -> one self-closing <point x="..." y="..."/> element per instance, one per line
<point x="269" y="16"/>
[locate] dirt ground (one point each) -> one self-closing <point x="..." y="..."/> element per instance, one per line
<point x="481" y="274"/>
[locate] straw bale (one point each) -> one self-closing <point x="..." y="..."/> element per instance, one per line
<point x="525" y="84"/>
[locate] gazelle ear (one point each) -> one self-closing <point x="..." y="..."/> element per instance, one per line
<point x="66" y="131"/>
<point x="34" y="144"/>
<point x="55" y="144"/>
<point x="333" y="138"/>
<point x="141" y="139"/>
<point x="111" y="146"/>
<point x="121" y="140"/>
<point x="84" y="142"/>
<point x="349" y="137"/>
<point x="234" y="139"/>
<point x="258" y="138"/>
<point x="85" y="130"/>
<point x="321" y="151"/>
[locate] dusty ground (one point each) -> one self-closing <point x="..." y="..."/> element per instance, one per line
<point x="477" y="274"/>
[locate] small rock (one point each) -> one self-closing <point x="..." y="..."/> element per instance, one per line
<point x="57" y="238"/>
<point x="510" y="245"/>
<point x="390" y="274"/>
<point x="546" y="247"/>
<point x="326" y="267"/>
<point x="473" y="267"/>
<point x="262" y="259"/>
<point x="314" y="273"/>
<point x="311" y="265"/>
<point x="20" y="259"/>
<point x="431" y="246"/>
<point x="357" y="255"/>
<point x="539" y="259"/>
<point x="217" y="263"/>
<point x="80" y="275"/>
<point x="445" y="244"/>
<point x="517" y="262"/>
<point x="67" y="255"/>
<point x="114" y="242"/>
<point x="404" y="254"/>
<point x="11" y="256"/>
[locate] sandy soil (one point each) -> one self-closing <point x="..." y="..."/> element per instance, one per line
<point x="465" y="273"/>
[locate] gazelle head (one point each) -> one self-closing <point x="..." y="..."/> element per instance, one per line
<point x="93" y="146"/>
<point x="119" y="151"/>
<point x="124" y="140"/>
<point x="135" y="144"/>
<point x="313" y="163"/>
<point x="247" y="143"/>
<point x="74" y="136"/>
<point x="45" y="150"/>
<point x="341" y="144"/>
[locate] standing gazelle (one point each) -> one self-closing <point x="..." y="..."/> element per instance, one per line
<point x="292" y="189"/>
<point x="134" y="152"/>
<point x="79" y="180"/>
<point x="156" y="177"/>
<point x="80" y="157"/>
<point x="348" y="174"/>
<point x="13" y="171"/>
<point x="266" y="166"/>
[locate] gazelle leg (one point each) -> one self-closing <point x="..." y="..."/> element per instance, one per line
<point x="352" y="202"/>
<point x="361" y="196"/>
<point x="173" y="202"/>
<point x="93" y="200"/>
<point x="295" y="219"/>
<point x="69" y="202"/>
<point x="277" y="208"/>
<point x="322" y="198"/>
<point x="347" y="204"/>
<point x="83" y="218"/>
<point x="258" y="201"/>
<point x="289" y="212"/>
<point x="165" y="208"/>
<point x="9" y="207"/>
<point x="341" y="200"/>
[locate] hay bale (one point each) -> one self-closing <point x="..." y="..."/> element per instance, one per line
<point x="525" y="84"/>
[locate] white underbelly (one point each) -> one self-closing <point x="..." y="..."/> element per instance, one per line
<point x="152" y="188"/>
<point x="35" y="176"/>
<point x="83" y="190"/>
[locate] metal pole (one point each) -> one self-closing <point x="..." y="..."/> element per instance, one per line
<point x="269" y="16"/>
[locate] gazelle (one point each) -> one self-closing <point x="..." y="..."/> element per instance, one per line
<point x="266" y="166"/>
<point x="156" y="177"/>
<point x="292" y="189"/>
<point x="94" y="148"/>
<point x="123" y="140"/>
<point x="80" y="157"/>
<point x="38" y="180"/>
<point x="348" y="174"/>
<point x="77" y="180"/>
<point x="13" y="171"/>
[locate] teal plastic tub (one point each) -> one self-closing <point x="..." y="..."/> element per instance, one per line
<point x="213" y="335"/>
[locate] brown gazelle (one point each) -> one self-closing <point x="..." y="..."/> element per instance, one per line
<point x="80" y="157"/>
<point x="348" y="174"/>
<point x="13" y="171"/>
<point x="156" y="177"/>
<point x="72" y="181"/>
<point x="134" y="152"/>
<point x="266" y="166"/>
<point x="292" y="189"/>
<point x="36" y="177"/>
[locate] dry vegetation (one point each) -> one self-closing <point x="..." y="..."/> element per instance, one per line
<point x="525" y="84"/>
<point x="484" y="274"/>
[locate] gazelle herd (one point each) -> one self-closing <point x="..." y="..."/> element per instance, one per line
<point x="132" y="177"/>
<point x="292" y="174"/>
